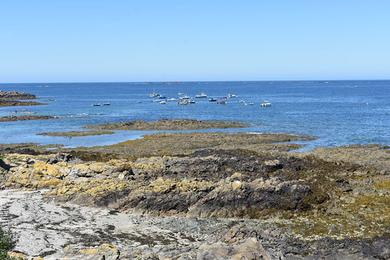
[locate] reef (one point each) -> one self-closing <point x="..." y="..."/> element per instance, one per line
<point x="78" y="133"/>
<point x="16" y="95"/>
<point x="24" y="118"/>
<point x="168" y="124"/>
<point x="14" y="98"/>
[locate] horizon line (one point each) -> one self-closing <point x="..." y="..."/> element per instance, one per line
<point x="193" y="81"/>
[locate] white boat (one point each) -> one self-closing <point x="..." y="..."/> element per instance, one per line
<point x="154" y="95"/>
<point x="265" y="103"/>
<point x="183" y="102"/>
<point x="232" y="95"/>
<point x="163" y="102"/>
<point x="185" y="97"/>
<point x="201" y="95"/>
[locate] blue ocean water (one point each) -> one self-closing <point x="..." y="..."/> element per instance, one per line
<point x="336" y="112"/>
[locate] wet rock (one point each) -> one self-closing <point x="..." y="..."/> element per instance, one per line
<point x="4" y="166"/>
<point x="249" y="199"/>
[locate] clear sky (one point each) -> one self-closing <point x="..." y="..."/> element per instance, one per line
<point x="179" y="40"/>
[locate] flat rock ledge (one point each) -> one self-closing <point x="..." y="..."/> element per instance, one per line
<point x="237" y="202"/>
<point x="25" y="118"/>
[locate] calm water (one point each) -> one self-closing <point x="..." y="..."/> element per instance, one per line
<point x="337" y="112"/>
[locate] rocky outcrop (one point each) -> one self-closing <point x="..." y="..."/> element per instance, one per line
<point x="16" y="95"/>
<point x="169" y="124"/>
<point x="87" y="183"/>
<point x="210" y="204"/>
<point x="14" y="103"/>
<point x="13" y="98"/>
<point x="208" y="183"/>
<point x="24" y="118"/>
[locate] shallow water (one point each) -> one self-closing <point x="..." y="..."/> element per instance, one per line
<point x="337" y="112"/>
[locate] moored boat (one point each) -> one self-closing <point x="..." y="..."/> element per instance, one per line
<point x="265" y="103"/>
<point x="201" y="95"/>
<point x="183" y="102"/>
<point x="154" y="95"/>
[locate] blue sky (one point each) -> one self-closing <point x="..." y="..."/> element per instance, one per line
<point x="146" y="40"/>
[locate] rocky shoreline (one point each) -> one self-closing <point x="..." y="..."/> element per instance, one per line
<point x="25" y="118"/>
<point x="16" y="95"/>
<point x="15" y="98"/>
<point x="197" y="196"/>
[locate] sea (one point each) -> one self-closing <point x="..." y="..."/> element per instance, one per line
<point x="336" y="113"/>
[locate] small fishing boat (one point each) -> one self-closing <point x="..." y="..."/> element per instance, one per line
<point x="265" y="103"/>
<point x="96" y="105"/>
<point x="154" y="95"/>
<point x="183" y="102"/>
<point x="213" y="100"/>
<point x="162" y="97"/>
<point x="163" y="102"/>
<point x="192" y="101"/>
<point x="106" y="104"/>
<point x="232" y="95"/>
<point x="185" y="97"/>
<point x="201" y="95"/>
